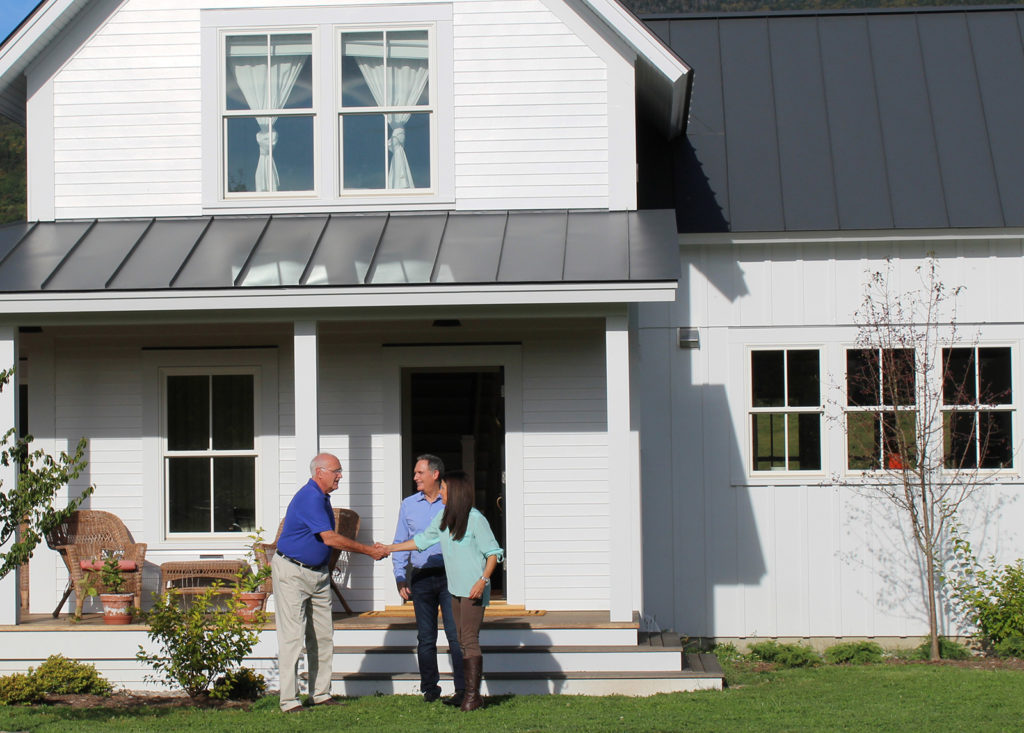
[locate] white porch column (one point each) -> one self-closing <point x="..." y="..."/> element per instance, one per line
<point x="307" y="393"/>
<point x="10" y="605"/>
<point x="624" y="499"/>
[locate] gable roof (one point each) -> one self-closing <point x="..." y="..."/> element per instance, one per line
<point x="906" y="119"/>
<point x="662" y="78"/>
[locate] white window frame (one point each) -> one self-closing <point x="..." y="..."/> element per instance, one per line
<point x="226" y="114"/>
<point x="880" y="409"/>
<point x="750" y="410"/>
<point x="327" y="24"/>
<point x="977" y="407"/>
<point x="209" y="452"/>
<point x="157" y="363"/>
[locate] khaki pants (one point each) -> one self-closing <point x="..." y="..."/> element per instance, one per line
<point x="302" y="606"/>
<point x="469" y="615"/>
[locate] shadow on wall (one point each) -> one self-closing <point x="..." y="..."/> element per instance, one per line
<point x="881" y="546"/>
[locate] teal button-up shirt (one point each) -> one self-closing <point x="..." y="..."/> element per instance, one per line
<point x="464" y="560"/>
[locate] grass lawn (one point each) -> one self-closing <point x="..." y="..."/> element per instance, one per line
<point x="904" y="697"/>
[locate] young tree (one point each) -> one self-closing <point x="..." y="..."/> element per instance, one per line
<point x="26" y="510"/>
<point x="922" y="412"/>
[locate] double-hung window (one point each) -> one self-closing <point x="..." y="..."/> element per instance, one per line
<point x="269" y="118"/>
<point x="210" y="454"/>
<point x="881" y="415"/>
<point x="385" y="115"/>
<point x="786" y="410"/>
<point x="339" y="106"/>
<point x="977" y="407"/>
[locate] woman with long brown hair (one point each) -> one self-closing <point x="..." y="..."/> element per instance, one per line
<point x="471" y="555"/>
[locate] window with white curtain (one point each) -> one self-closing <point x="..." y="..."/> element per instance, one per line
<point x="346" y="106"/>
<point x="268" y="113"/>
<point x="385" y="116"/>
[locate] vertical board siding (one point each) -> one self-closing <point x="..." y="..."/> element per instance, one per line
<point x="801" y="556"/>
<point x="530" y="124"/>
<point x="567" y="501"/>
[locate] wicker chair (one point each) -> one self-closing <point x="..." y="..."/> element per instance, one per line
<point x="346" y="523"/>
<point x="85" y="536"/>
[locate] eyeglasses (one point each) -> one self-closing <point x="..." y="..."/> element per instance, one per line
<point x="332" y="470"/>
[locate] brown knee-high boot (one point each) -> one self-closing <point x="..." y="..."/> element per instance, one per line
<point x="472" y="668"/>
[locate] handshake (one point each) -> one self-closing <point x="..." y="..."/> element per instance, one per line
<point x="378" y="551"/>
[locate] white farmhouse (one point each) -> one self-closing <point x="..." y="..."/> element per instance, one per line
<point x="544" y="239"/>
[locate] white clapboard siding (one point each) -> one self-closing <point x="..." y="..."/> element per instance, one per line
<point x="565" y="473"/>
<point x="531" y="120"/>
<point x="751" y="556"/>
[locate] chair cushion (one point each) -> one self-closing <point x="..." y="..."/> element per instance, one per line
<point x="126" y="565"/>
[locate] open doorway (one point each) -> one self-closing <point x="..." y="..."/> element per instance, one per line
<point x="458" y="414"/>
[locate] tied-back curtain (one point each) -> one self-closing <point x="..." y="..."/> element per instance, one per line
<point x="251" y="75"/>
<point x="405" y="79"/>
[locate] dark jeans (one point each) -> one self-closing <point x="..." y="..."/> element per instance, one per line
<point x="429" y="592"/>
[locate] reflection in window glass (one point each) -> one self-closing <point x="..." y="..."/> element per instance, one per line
<point x="210" y="456"/>
<point x="787" y="439"/>
<point x="388" y="73"/>
<point x="266" y="75"/>
<point x="977" y="420"/>
<point x="879" y="433"/>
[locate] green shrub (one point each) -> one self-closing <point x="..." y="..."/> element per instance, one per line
<point x="992" y="599"/>
<point x="197" y="643"/>
<point x="19" y="689"/>
<point x="854" y="652"/>
<point x="59" y="675"/>
<point x="1011" y="646"/>
<point x="785" y="655"/>
<point x="948" y="649"/>
<point x="727" y="653"/>
<point x="240" y="684"/>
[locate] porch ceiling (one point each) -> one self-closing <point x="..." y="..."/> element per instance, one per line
<point x="365" y="253"/>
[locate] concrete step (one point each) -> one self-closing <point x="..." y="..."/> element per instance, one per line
<point x="519" y="659"/>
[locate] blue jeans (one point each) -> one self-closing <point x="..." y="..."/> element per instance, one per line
<point x="430" y="591"/>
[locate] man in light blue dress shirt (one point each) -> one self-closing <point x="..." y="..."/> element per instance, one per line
<point x="421" y="577"/>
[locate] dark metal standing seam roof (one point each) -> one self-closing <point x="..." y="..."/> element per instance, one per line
<point x="907" y="119"/>
<point x="339" y="250"/>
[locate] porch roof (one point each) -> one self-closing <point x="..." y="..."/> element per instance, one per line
<point x="351" y="253"/>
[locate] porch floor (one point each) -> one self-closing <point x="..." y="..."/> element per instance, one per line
<point x="550" y="619"/>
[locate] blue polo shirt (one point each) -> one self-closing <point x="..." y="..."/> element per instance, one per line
<point x="309" y="513"/>
<point x="415" y="516"/>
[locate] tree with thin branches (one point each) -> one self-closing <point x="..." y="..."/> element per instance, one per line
<point x="925" y="412"/>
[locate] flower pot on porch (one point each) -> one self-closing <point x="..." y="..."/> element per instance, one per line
<point x="117" y="607"/>
<point x="250" y="604"/>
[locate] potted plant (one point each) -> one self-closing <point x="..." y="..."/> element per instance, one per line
<point x="249" y="592"/>
<point x="117" y="605"/>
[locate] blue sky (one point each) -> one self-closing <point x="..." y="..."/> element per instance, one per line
<point x="13" y="12"/>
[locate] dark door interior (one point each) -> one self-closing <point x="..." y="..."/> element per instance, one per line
<point x="458" y="414"/>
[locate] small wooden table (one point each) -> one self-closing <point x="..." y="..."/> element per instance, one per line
<point x="192" y="577"/>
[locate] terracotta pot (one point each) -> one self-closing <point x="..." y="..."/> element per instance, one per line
<point x="253" y="602"/>
<point x="117" y="607"/>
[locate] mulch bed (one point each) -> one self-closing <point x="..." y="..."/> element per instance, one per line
<point x="128" y="699"/>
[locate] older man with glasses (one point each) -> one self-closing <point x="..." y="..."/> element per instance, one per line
<point x="302" y="584"/>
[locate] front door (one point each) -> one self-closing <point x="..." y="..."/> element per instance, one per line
<point x="458" y="414"/>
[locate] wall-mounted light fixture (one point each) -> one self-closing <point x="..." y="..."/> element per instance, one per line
<point x="689" y="338"/>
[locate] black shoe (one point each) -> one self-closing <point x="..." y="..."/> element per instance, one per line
<point x="432" y="695"/>
<point x="456" y="699"/>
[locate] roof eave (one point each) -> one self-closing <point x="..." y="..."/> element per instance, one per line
<point x="24" y="45"/>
